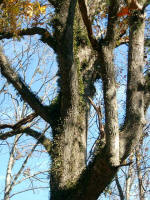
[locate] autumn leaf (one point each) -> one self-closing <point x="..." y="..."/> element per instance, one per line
<point x="43" y="9"/>
<point x="124" y="11"/>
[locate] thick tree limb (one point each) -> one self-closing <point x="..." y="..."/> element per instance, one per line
<point x="112" y="33"/>
<point x="46" y="37"/>
<point x="41" y="138"/>
<point x="35" y="134"/>
<point x="4" y="136"/>
<point x="94" y="179"/>
<point x="21" y="122"/>
<point x="87" y="23"/>
<point x="135" y="102"/>
<point x="135" y="84"/>
<point x="109" y="86"/>
<point x="26" y="94"/>
<point x="111" y="108"/>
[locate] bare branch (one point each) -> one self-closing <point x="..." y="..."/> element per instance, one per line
<point x="31" y="176"/>
<point x="26" y="94"/>
<point x="35" y="134"/>
<point x="99" y="114"/>
<point x="26" y="190"/>
<point x="24" y="164"/>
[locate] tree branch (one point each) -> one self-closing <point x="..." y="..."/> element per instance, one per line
<point x="21" y="122"/>
<point x="4" y="136"/>
<point x="111" y="107"/>
<point x="106" y="57"/>
<point x="15" y="178"/>
<point x="119" y="188"/>
<point x="135" y="103"/>
<point x="135" y="83"/>
<point x="91" y="183"/>
<point x="87" y="22"/>
<point x="31" y="176"/>
<point x="10" y="168"/>
<point x="112" y="34"/>
<point x="46" y="37"/>
<point x="28" y="189"/>
<point x="99" y="114"/>
<point x="41" y="138"/>
<point x="26" y="94"/>
<point x="147" y="2"/>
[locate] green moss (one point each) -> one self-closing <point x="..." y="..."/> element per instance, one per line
<point x="80" y="36"/>
<point x="54" y="112"/>
<point x="80" y="41"/>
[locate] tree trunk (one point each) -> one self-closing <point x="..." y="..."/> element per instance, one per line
<point x="75" y="60"/>
<point x="71" y="179"/>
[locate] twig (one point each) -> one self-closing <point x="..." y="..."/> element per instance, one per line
<point x="99" y="114"/>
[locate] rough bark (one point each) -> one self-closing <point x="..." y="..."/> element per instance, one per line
<point x="69" y="149"/>
<point x="135" y="103"/>
<point x="75" y="60"/>
<point x="109" y="86"/>
<point x="111" y="109"/>
<point x="71" y="179"/>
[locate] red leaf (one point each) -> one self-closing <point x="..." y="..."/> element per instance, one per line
<point x="124" y="11"/>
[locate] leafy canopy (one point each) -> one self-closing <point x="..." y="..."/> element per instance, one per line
<point x="15" y="14"/>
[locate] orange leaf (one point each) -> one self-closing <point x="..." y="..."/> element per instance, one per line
<point x="124" y="11"/>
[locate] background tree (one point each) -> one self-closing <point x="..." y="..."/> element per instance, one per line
<point x="20" y="149"/>
<point x="132" y="181"/>
<point x="85" y="54"/>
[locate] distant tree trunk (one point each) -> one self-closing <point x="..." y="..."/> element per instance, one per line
<point x="8" y="181"/>
<point x="129" y="180"/>
<point x="139" y="173"/>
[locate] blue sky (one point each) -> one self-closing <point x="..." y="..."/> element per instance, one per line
<point x="47" y="66"/>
